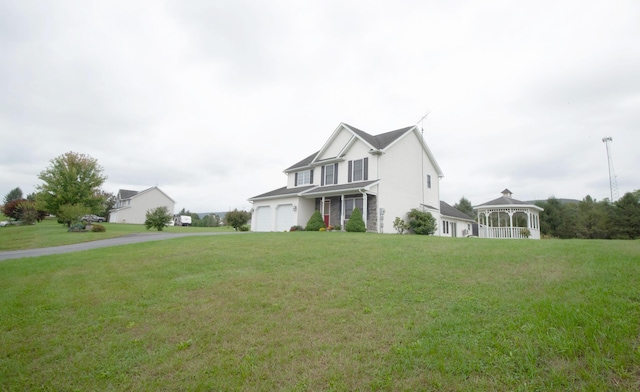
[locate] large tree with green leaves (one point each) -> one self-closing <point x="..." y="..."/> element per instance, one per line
<point x="71" y="178"/>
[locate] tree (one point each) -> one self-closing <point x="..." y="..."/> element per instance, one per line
<point x="29" y="214"/>
<point x="11" y="209"/>
<point x="421" y="222"/>
<point x="14" y="194"/>
<point x="71" y="213"/>
<point x="108" y="202"/>
<point x="315" y="223"/>
<point x="210" y="220"/>
<point x="465" y="206"/>
<point x="627" y="216"/>
<point x="71" y="179"/>
<point x="551" y="217"/>
<point x="356" y="224"/>
<point x="237" y="218"/>
<point x="157" y="218"/>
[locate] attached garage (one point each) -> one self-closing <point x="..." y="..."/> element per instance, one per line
<point x="263" y="219"/>
<point x="284" y="217"/>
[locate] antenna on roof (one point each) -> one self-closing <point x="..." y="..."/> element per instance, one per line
<point x="421" y="121"/>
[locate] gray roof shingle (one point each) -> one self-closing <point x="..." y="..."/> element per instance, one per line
<point x="447" y="210"/>
<point x="126" y="194"/>
<point x="379" y="142"/>
<point x="282" y="192"/>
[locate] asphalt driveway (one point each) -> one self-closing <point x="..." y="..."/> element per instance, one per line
<point x="125" y="240"/>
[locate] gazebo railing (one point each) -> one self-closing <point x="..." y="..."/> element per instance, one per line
<point x="507" y="232"/>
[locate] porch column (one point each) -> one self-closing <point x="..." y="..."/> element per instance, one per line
<point x="322" y="207"/>
<point x="365" y="210"/>
<point x="510" y="212"/>
<point x="342" y="212"/>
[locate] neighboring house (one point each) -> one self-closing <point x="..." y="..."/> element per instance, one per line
<point x="454" y="223"/>
<point x="385" y="176"/>
<point x="132" y="206"/>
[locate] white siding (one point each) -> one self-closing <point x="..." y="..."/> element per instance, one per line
<point x="403" y="174"/>
<point x="339" y="141"/>
<point x="142" y="202"/>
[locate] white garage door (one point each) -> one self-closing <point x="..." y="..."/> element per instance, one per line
<point x="263" y="219"/>
<point x="284" y="217"/>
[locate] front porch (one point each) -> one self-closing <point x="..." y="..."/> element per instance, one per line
<point x="337" y="203"/>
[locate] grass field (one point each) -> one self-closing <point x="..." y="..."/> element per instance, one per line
<point x="325" y="311"/>
<point x="51" y="233"/>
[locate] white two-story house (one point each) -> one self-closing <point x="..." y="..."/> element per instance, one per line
<point x="132" y="206"/>
<point x="385" y="176"/>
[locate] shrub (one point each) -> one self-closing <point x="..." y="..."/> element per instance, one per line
<point x="315" y="223"/>
<point x="237" y="219"/>
<point x="78" y="227"/>
<point x="98" y="229"/>
<point x="421" y="222"/>
<point x="356" y="223"/>
<point x="526" y="233"/>
<point x="157" y="218"/>
<point x="243" y="228"/>
<point x="400" y="225"/>
<point x="296" y="228"/>
<point x="322" y="229"/>
<point x="337" y="227"/>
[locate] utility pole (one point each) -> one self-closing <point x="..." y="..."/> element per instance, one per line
<point x="613" y="183"/>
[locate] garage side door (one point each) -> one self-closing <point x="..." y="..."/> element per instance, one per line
<point x="284" y="217"/>
<point x="263" y="219"/>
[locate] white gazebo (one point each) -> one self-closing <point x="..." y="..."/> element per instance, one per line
<point x="506" y="217"/>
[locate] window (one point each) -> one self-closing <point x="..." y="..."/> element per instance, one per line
<point x="445" y="227"/>
<point x="330" y="174"/>
<point x="358" y="170"/>
<point x="429" y="181"/>
<point x="304" y="177"/>
<point x="350" y="205"/>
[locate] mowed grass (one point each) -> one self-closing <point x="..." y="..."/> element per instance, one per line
<point x="325" y="311"/>
<point x="51" y="233"/>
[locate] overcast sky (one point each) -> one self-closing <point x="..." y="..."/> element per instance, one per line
<point x="212" y="100"/>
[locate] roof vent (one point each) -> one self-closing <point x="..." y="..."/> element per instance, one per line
<point x="507" y="193"/>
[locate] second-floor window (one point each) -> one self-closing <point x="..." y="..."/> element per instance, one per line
<point x="330" y="174"/>
<point x="429" y="181"/>
<point x="359" y="170"/>
<point x="304" y="177"/>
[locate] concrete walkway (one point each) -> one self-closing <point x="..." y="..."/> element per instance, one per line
<point x="125" y="240"/>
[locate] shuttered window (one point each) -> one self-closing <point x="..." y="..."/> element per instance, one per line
<point x="329" y="174"/>
<point x="359" y="170"/>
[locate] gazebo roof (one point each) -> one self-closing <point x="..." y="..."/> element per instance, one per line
<point x="507" y="201"/>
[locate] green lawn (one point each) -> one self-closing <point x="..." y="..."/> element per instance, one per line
<point x="51" y="233"/>
<point x="325" y="311"/>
